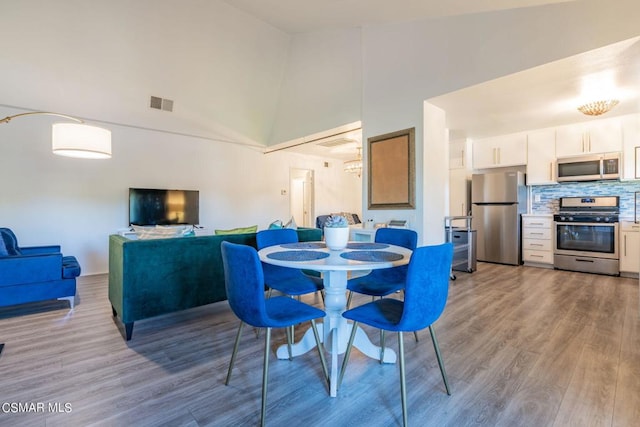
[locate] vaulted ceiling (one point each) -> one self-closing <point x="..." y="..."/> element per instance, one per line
<point x="540" y="97"/>
<point x="299" y="16"/>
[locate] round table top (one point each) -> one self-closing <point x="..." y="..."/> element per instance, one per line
<point x="316" y="256"/>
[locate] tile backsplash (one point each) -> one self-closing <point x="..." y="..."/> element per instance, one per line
<point x="550" y="194"/>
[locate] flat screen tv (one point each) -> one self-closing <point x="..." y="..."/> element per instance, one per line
<point x="163" y="207"/>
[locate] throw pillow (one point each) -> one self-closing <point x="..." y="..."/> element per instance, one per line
<point x="239" y="230"/>
<point x="291" y="224"/>
<point x="275" y="225"/>
<point x="348" y="216"/>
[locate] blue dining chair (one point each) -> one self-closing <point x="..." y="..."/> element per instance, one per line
<point x="383" y="282"/>
<point x="244" y="284"/>
<point x="386" y="281"/>
<point x="288" y="281"/>
<point x="426" y="290"/>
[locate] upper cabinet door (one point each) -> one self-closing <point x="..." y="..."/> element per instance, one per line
<point x="541" y="157"/>
<point x="605" y="136"/>
<point x="631" y="140"/>
<point x="459" y="154"/>
<point x="504" y="150"/>
<point x="599" y="136"/>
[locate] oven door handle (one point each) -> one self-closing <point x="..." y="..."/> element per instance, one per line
<point x="599" y="224"/>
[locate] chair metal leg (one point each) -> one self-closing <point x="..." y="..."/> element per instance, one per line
<point x="235" y="351"/>
<point x="320" y="348"/>
<point x="269" y="292"/>
<point x="289" y="331"/>
<point x="415" y="335"/>
<point x="265" y="376"/>
<point x="347" y="352"/>
<point x="349" y="298"/>
<point x="439" y="356"/>
<point x="403" y="383"/>
<point x="381" y="345"/>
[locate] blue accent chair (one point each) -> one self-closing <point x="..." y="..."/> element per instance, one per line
<point x="383" y="282"/>
<point x="288" y="281"/>
<point x="37" y="273"/>
<point x="426" y="291"/>
<point x="244" y="283"/>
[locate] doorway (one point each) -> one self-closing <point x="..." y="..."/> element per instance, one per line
<point x="301" y="189"/>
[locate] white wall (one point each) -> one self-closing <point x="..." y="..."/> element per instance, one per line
<point x="322" y="85"/>
<point x="48" y="199"/>
<point x="435" y="176"/>
<point x="104" y="59"/>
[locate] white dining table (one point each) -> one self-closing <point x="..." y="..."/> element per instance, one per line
<point x="335" y="265"/>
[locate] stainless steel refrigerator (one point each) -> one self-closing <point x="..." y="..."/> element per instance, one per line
<point x="497" y="202"/>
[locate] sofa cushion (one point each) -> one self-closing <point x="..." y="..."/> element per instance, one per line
<point x="239" y="230"/>
<point x="162" y="231"/>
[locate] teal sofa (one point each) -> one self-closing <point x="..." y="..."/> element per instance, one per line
<point x="152" y="277"/>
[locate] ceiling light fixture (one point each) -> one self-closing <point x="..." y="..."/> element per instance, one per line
<point x="354" y="166"/>
<point x="75" y="139"/>
<point x="597" y="108"/>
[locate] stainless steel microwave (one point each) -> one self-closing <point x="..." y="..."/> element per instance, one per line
<point x="591" y="167"/>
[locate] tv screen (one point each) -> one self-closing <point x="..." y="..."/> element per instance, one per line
<point x="163" y="207"/>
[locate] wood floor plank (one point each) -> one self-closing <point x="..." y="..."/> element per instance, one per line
<point x="522" y="346"/>
<point x="627" y="403"/>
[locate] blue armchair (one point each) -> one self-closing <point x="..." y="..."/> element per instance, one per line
<point x="36" y="273"/>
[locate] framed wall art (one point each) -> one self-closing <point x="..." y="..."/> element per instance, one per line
<point x="392" y="170"/>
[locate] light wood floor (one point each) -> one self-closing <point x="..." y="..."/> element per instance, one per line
<point x="522" y="346"/>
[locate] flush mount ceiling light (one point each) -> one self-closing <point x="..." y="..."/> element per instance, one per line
<point x="597" y="108"/>
<point x="75" y="139"/>
<point x="354" y="166"/>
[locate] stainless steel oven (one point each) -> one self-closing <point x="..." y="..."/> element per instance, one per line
<point x="586" y="235"/>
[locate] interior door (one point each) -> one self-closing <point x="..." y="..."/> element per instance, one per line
<point x="302" y="195"/>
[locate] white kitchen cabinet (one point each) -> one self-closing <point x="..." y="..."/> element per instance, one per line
<point x="500" y="151"/>
<point x="459" y="192"/>
<point x="629" y="247"/>
<point x="598" y="136"/>
<point x="541" y="157"/>
<point x="362" y="234"/>
<point x="460" y="154"/>
<point x="537" y="246"/>
<point x="630" y="140"/>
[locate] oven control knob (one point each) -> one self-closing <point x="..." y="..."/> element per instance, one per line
<point x="569" y="218"/>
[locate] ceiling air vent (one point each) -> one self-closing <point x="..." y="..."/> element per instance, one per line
<point x="336" y="142"/>
<point x="161" y="104"/>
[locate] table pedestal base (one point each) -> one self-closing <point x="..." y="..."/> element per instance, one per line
<point x="336" y="343"/>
